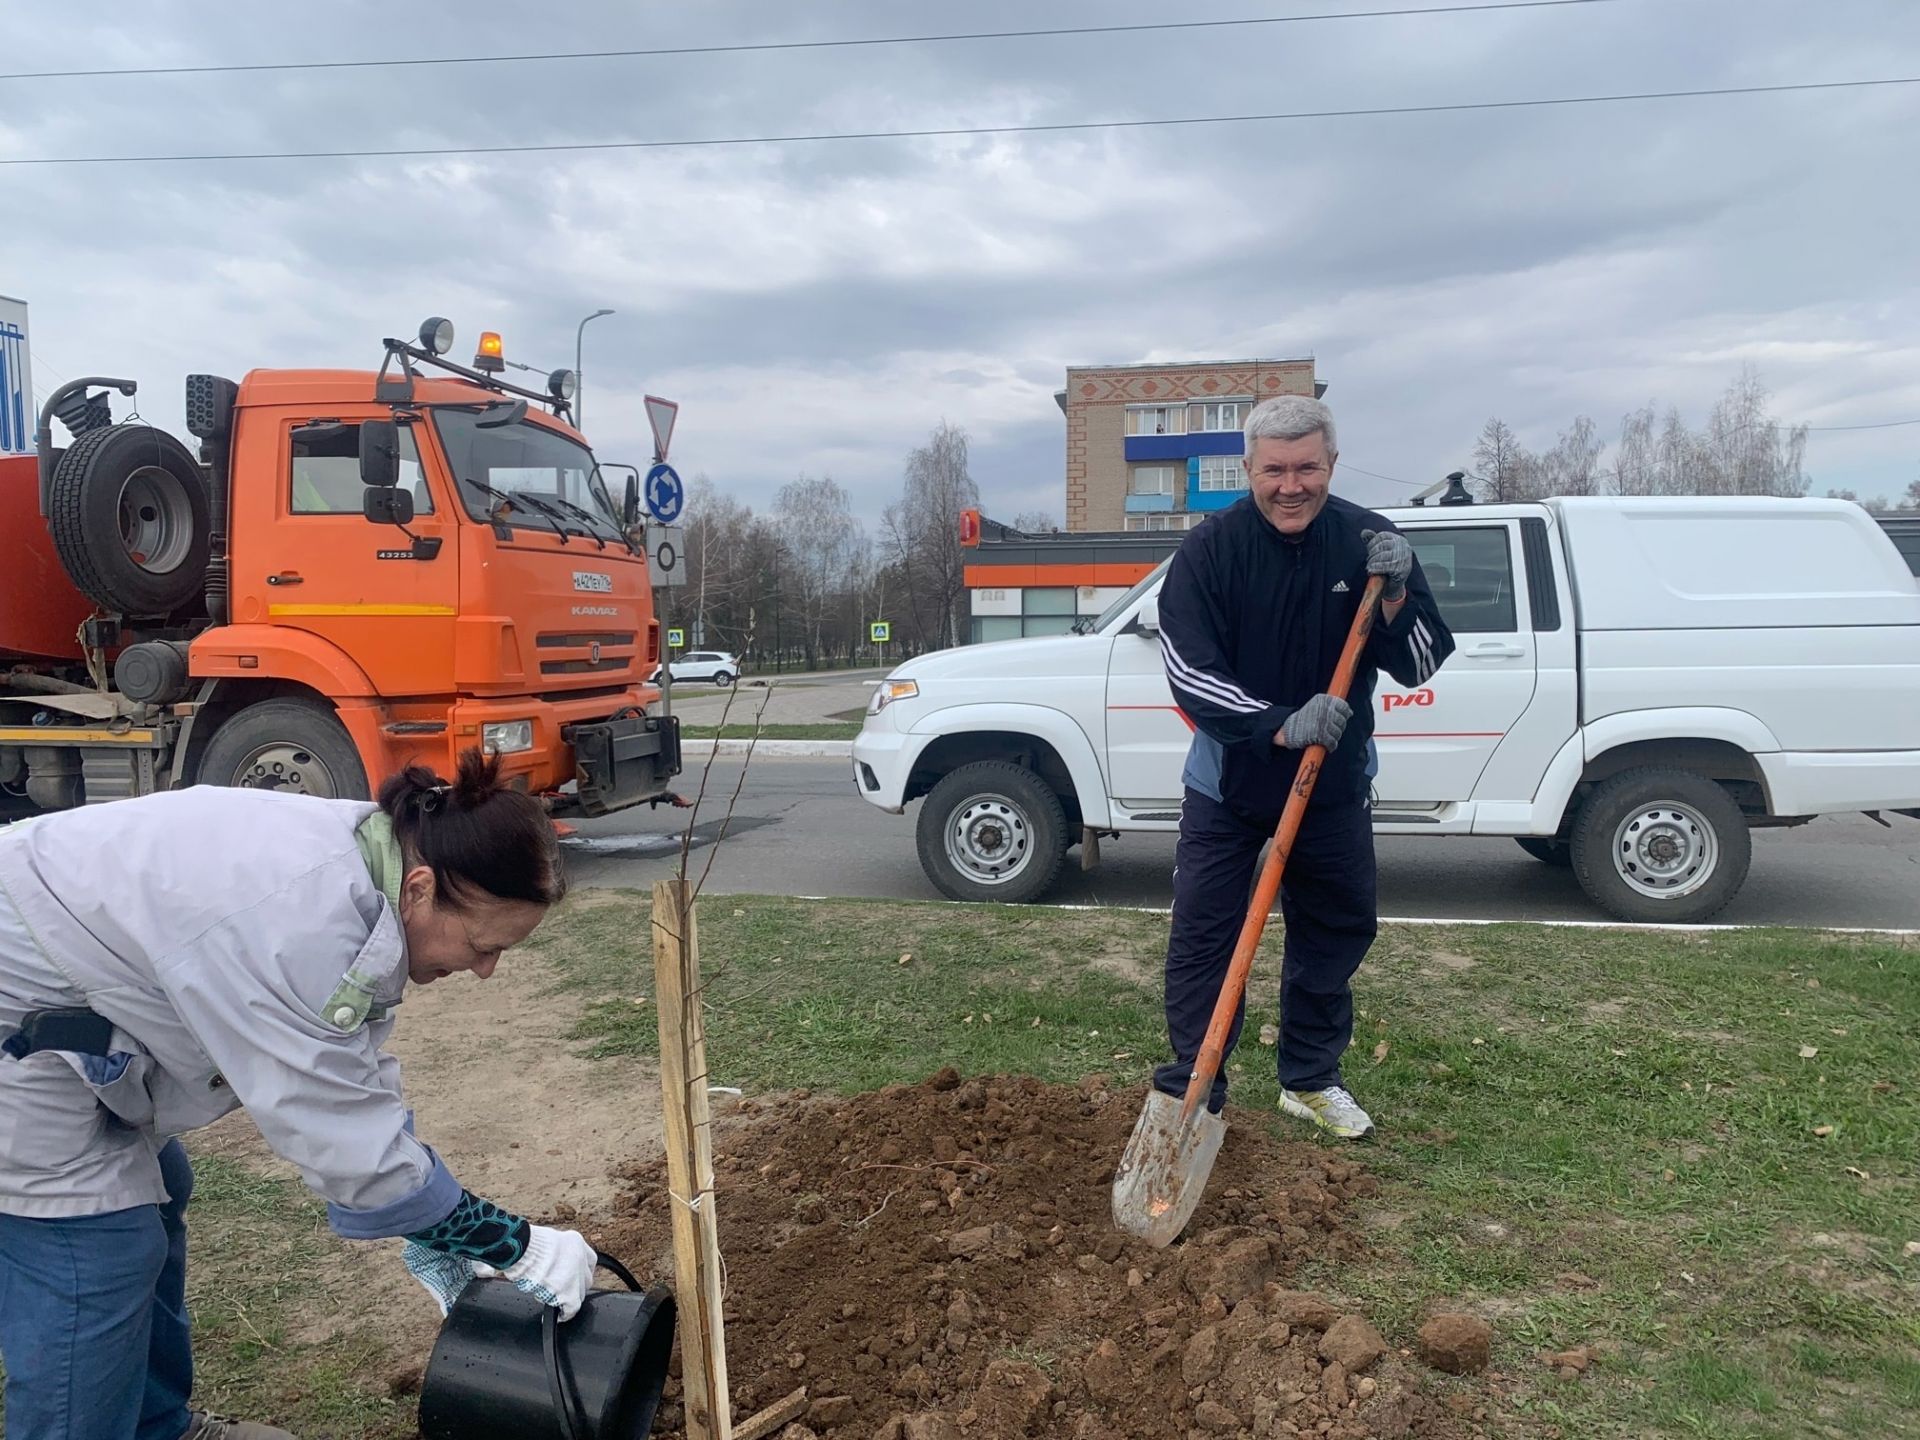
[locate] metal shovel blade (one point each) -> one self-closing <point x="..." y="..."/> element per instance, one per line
<point x="1164" y="1169"/>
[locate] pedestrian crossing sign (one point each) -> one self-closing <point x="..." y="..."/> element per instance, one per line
<point x="676" y="639"/>
<point x="880" y="631"/>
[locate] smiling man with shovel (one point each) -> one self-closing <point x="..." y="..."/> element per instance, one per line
<point x="1256" y="611"/>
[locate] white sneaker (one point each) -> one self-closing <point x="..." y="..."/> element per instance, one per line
<point x="1333" y="1110"/>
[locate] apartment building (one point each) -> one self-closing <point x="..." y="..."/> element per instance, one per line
<point x="1158" y="447"/>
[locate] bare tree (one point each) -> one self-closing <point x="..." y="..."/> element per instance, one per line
<point x="1910" y="500"/>
<point x="1507" y="470"/>
<point x="821" y="539"/>
<point x="922" y="535"/>
<point x="1746" y="452"/>
<point x="1572" y="467"/>
<point x="1636" y="463"/>
<point x="1035" y="522"/>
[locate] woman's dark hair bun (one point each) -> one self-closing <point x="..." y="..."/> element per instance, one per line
<point x="476" y="779"/>
<point x="478" y="834"/>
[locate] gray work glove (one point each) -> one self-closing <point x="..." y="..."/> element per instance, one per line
<point x="1390" y="555"/>
<point x="1321" y="721"/>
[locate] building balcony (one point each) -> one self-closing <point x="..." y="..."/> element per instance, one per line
<point x="1146" y="504"/>
<point x="1182" y="447"/>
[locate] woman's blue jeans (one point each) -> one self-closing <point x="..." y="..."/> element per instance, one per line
<point x="93" y="1320"/>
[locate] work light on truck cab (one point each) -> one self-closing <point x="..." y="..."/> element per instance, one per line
<point x="562" y="384"/>
<point x="436" y="335"/>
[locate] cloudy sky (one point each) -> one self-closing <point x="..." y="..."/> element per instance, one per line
<point x="818" y="307"/>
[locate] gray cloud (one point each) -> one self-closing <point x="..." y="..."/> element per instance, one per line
<point x="818" y="308"/>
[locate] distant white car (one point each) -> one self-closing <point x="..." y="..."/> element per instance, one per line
<point x="716" y="666"/>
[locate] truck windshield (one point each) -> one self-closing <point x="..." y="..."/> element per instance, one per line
<point x="557" y="482"/>
<point x="1119" y="607"/>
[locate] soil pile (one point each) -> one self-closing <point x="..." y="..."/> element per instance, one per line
<point x="937" y="1262"/>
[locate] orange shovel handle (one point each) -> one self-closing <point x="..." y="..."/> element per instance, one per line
<point x="1208" y="1064"/>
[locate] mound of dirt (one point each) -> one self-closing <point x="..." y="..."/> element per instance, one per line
<point x="937" y="1261"/>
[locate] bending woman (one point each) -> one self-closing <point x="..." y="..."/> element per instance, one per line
<point x="166" y="960"/>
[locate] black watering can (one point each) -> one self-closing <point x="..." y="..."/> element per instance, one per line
<point x="505" y="1368"/>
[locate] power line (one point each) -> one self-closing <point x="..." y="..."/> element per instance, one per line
<point x="954" y="132"/>
<point x="1877" y="425"/>
<point x="858" y="42"/>
<point x="1376" y="475"/>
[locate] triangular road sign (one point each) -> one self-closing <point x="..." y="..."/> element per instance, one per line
<point x="660" y="415"/>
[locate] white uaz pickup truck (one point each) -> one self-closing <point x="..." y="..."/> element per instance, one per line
<point x="1638" y="683"/>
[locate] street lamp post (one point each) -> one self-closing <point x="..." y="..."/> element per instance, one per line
<point x="578" y="336"/>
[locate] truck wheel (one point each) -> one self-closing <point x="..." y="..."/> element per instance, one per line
<point x="298" y="746"/>
<point x="1661" y="845"/>
<point x="131" y="520"/>
<point x="992" y="831"/>
<point x="1553" y="852"/>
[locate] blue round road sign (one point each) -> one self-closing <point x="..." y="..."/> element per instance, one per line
<point x="665" y="493"/>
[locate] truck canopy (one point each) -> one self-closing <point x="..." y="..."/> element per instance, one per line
<point x="1732" y="562"/>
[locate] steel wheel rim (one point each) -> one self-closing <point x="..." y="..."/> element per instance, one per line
<point x="989" y="840"/>
<point x="156" y="519"/>
<point x="1665" y="851"/>
<point x="281" y="765"/>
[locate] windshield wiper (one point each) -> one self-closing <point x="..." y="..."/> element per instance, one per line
<point x="507" y="500"/>
<point x="587" y="515"/>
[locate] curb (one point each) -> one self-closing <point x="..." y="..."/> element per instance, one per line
<point x="836" y="749"/>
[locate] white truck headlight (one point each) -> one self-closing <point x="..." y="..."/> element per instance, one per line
<point x="888" y="691"/>
<point x="506" y="737"/>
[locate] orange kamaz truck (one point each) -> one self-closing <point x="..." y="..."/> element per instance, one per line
<point x="354" y="570"/>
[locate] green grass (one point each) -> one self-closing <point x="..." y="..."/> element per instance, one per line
<point x="822" y="730"/>
<point x="816" y="995"/>
<point x="1627" y="1156"/>
<point x="257" y="1245"/>
<point x="1593" y="1136"/>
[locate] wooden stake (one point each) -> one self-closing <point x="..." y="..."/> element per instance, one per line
<point x="696" y="1239"/>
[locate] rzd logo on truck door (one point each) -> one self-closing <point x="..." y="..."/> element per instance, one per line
<point x="594" y="581"/>
<point x="1389" y="702"/>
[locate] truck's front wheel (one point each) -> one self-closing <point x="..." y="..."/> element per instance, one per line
<point x="992" y="830"/>
<point x="1661" y="845"/>
<point x="295" y="745"/>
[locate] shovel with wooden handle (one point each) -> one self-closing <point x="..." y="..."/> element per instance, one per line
<point x="1164" y="1169"/>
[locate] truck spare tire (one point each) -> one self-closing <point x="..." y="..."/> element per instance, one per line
<point x="131" y="520"/>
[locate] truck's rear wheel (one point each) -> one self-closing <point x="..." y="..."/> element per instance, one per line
<point x="131" y="520"/>
<point x="1656" y="844"/>
<point x="298" y="746"/>
<point x="1551" y="852"/>
<point x="992" y="830"/>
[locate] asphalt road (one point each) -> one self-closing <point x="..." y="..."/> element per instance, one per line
<point x="799" y="828"/>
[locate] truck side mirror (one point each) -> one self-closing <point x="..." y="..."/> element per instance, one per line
<point x="387" y="505"/>
<point x="630" y="508"/>
<point x="1147" y="617"/>
<point x="380" y="455"/>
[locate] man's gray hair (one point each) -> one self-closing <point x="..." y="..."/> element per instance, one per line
<point x="1291" y="417"/>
